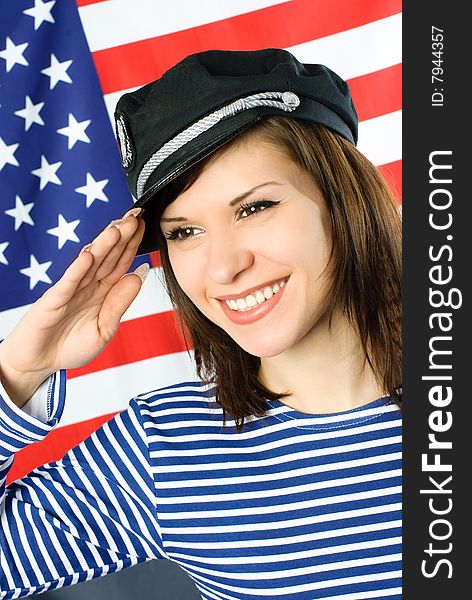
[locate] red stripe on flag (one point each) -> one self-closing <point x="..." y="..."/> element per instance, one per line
<point x="137" y="339"/>
<point x="392" y="173"/>
<point x="155" y="259"/>
<point x="53" y="447"/>
<point x="377" y="93"/>
<point x="282" y="26"/>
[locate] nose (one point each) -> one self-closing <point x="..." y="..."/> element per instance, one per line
<point x="227" y="257"/>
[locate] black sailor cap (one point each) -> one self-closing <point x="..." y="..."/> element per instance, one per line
<point x="210" y="97"/>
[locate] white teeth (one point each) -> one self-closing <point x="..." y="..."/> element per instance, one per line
<point x="252" y="300"/>
<point x="241" y="303"/>
<point x="260" y="297"/>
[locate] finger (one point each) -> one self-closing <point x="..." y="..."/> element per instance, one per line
<point x="127" y="256"/>
<point x="62" y="291"/>
<point x="108" y="238"/>
<point x="119" y="299"/>
<point x="107" y="248"/>
<point x="99" y="249"/>
<point x="127" y="230"/>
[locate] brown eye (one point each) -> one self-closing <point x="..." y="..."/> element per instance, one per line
<point x="179" y="233"/>
<point x="253" y="208"/>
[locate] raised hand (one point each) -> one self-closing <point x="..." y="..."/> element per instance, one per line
<point x="78" y="316"/>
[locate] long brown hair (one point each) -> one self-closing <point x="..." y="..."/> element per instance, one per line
<point x="365" y="265"/>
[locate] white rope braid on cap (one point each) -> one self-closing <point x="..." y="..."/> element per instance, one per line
<point x="287" y="101"/>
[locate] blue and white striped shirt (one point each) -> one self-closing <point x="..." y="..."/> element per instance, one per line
<point x="295" y="507"/>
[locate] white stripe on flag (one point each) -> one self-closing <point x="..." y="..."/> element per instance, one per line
<point x="357" y="51"/>
<point x="380" y="139"/>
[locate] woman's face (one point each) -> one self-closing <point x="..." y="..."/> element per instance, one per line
<point x="252" y="220"/>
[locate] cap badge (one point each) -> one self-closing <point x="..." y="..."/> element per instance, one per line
<point x="290" y="99"/>
<point x="124" y="141"/>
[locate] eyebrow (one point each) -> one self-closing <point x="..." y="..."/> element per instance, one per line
<point x="234" y="201"/>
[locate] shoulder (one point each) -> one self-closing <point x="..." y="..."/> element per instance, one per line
<point x="187" y="399"/>
<point x="180" y="390"/>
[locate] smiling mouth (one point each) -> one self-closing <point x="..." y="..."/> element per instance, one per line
<point x="256" y="297"/>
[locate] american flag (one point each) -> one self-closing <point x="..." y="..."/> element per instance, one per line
<point x="63" y="66"/>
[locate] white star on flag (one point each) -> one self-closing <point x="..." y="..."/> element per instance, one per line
<point x="36" y="272"/>
<point x="57" y="71"/>
<point x="6" y="154"/>
<point x="64" y="231"/>
<point x="93" y="190"/>
<point x="47" y="173"/>
<point x="21" y="213"/>
<point x="3" y="247"/>
<point x="75" y="131"/>
<point x="13" y="55"/>
<point x="41" y="11"/>
<point x="30" y="113"/>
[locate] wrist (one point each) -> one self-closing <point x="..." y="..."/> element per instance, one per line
<point x="20" y="386"/>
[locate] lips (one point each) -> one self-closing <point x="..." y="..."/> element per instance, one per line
<point x="253" y="314"/>
<point x="253" y="289"/>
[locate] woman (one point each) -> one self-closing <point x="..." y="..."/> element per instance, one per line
<point x="279" y="474"/>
